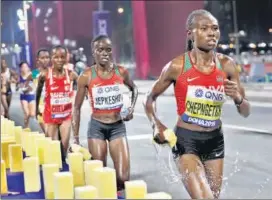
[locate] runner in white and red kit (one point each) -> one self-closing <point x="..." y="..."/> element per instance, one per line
<point x="57" y="112"/>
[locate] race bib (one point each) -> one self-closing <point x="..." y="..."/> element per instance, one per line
<point x="203" y="105"/>
<point x="33" y="87"/>
<point x="61" y="105"/>
<point x="23" y="88"/>
<point x="107" y="97"/>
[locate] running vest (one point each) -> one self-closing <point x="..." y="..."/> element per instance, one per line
<point x="105" y="94"/>
<point x="22" y="86"/>
<point x="58" y="98"/>
<point x="200" y="96"/>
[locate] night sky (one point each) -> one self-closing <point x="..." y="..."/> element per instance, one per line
<point x="256" y="17"/>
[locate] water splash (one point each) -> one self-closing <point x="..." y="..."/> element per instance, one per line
<point x="166" y="168"/>
<point x="235" y="170"/>
<point x="261" y="187"/>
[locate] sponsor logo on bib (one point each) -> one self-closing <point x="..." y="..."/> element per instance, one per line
<point x="204" y="105"/>
<point x="107" y="97"/>
<point x="61" y="104"/>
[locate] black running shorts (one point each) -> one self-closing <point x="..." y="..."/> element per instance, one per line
<point x="99" y="130"/>
<point x="206" y="145"/>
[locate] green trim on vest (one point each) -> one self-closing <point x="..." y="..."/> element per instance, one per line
<point x="93" y="73"/>
<point x="218" y="64"/>
<point x="187" y="62"/>
<point x="117" y="72"/>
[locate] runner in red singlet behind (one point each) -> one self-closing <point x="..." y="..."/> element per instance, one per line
<point x="57" y="112"/>
<point x="103" y="81"/>
<point x="202" y="78"/>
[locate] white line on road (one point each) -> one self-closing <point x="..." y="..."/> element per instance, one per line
<point x="140" y="114"/>
<point x="254" y="104"/>
<point x="243" y="128"/>
<point x="228" y="126"/>
<point x="139" y="137"/>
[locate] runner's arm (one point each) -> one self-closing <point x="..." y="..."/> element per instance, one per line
<point x="14" y="77"/>
<point x="27" y="86"/>
<point x="239" y="98"/>
<point x="3" y="85"/>
<point x="41" y="80"/>
<point x="74" y="76"/>
<point x="82" y="83"/>
<point x="169" y="74"/>
<point x="132" y="87"/>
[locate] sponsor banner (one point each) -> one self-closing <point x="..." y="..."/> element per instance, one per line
<point x="101" y="23"/>
<point x="26" y="53"/>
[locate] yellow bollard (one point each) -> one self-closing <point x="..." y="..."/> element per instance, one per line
<point x="32" y="179"/>
<point x="106" y="183"/>
<point x="158" y="195"/>
<point x="4" y="183"/>
<point x="10" y="127"/>
<point x="18" y="134"/>
<point x="47" y="151"/>
<point x="41" y="144"/>
<point x="136" y="189"/>
<point x="89" y="166"/>
<point x="32" y="139"/>
<point x="86" y="192"/>
<point x="55" y="153"/>
<point x="48" y="171"/>
<point x="63" y="185"/>
<point x="15" y="158"/>
<point x="5" y="150"/>
<point x="75" y="161"/>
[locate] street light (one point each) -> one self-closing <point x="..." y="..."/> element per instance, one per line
<point x="120" y="10"/>
<point x="23" y="18"/>
<point x="21" y="22"/>
<point x="23" y="25"/>
<point x="25" y="7"/>
<point x="252" y="45"/>
<point x="20" y="14"/>
<point x="234" y="12"/>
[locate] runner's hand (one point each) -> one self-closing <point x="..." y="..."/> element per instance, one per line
<point x="231" y="89"/>
<point x="158" y="135"/>
<point x="38" y="113"/>
<point x="76" y="140"/>
<point x="129" y="115"/>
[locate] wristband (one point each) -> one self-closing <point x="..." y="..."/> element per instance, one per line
<point x="238" y="104"/>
